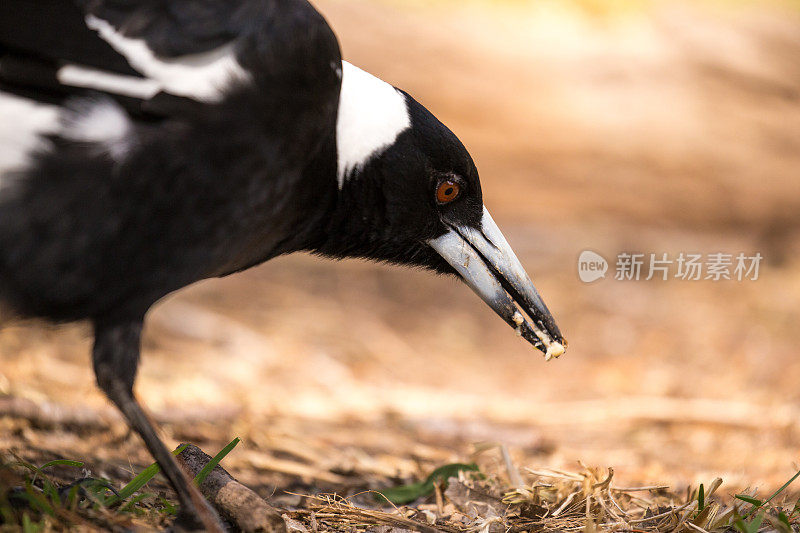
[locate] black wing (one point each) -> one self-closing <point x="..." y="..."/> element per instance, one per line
<point x="178" y="28"/>
<point x="182" y="48"/>
<point x="89" y="231"/>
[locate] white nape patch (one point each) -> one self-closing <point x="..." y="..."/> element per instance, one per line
<point x="202" y="76"/>
<point x="23" y="122"/>
<point x="89" y="78"/>
<point x="97" y="120"/>
<point x="372" y="114"/>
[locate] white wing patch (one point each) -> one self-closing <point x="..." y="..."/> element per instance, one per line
<point x="372" y="114"/>
<point x="98" y="120"/>
<point x="20" y="130"/>
<point x="200" y="76"/>
<point x="89" y="78"/>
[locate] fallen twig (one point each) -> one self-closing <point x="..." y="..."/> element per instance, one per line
<point x="237" y="503"/>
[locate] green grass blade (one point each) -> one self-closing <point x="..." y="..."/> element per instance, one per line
<point x="140" y="480"/>
<point x="61" y="462"/>
<point x="168" y="507"/>
<point x="445" y="472"/>
<point x="28" y="526"/>
<point x="37" y="500"/>
<point x="130" y="505"/>
<point x="701" y="499"/>
<point x="745" y="527"/>
<point x="756" y="523"/>
<point x="203" y="474"/>
<point x="408" y="493"/>
<point x="99" y="491"/>
<point x="21" y="463"/>
<point x="72" y="498"/>
<point x="405" y="493"/>
<point x="51" y="491"/>
<point x="57" y="462"/>
<point x="775" y="494"/>
<point x="749" y="499"/>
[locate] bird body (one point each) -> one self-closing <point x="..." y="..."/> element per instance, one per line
<point x="115" y="213"/>
<point x="198" y="138"/>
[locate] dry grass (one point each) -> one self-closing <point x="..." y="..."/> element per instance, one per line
<point x="556" y="501"/>
<point x="498" y="498"/>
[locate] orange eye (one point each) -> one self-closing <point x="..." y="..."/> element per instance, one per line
<point x="447" y="191"/>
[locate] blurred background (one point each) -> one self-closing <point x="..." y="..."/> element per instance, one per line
<point x="614" y="126"/>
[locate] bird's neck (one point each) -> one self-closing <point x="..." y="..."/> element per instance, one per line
<point x="348" y="211"/>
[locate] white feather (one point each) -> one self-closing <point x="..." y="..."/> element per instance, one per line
<point x="101" y="121"/>
<point x="21" y="128"/>
<point x="372" y="114"/>
<point x="202" y="76"/>
<point x="79" y="76"/>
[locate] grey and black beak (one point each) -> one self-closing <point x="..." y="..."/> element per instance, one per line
<point x="489" y="266"/>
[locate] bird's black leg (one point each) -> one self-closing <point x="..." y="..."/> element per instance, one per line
<point x="116" y="357"/>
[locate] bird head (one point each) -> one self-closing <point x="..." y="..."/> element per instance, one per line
<point x="409" y="193"/>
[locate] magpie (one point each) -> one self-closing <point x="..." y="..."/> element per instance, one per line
<point x="179" y="140"/>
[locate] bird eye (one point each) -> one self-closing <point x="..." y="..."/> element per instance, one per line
<point x="447" y="191"/>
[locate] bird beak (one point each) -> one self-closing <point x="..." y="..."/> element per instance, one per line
<point x="489" y="266"/>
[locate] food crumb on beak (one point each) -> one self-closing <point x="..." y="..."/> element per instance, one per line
<point x="554" y="349"/>
<point x="518" y="320"/>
